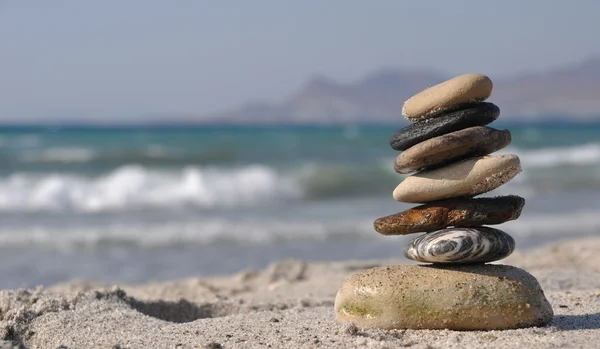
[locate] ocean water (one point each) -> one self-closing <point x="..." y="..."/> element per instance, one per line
<point x="135" y="204"/>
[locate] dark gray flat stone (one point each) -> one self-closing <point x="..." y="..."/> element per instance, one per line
<point x="479" y="114"/>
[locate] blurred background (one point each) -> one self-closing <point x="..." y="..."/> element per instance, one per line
<point x="151" y="140"/>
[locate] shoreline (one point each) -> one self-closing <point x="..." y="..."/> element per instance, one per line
<point x="109" y="265"/>
<point x="287" y="304"/>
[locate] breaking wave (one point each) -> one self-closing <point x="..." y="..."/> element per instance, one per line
<point x="140" y="186"/>
<point x="132" y="187"/>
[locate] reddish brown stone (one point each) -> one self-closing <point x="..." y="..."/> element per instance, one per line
<point x="457" y="212"/>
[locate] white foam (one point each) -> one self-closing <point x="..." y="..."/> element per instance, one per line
<point x="587" y="154"/>
<point x="555" y="224"/>
<point x="191" y="232"/>
<point x="131" y="187"/>
<point x="60" y="155"/>
<point x="206" y="231"/>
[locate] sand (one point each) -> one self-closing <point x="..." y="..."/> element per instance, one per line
<point x="287" y="305"/>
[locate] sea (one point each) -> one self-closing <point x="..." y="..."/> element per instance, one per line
<point x="134" y="204"/>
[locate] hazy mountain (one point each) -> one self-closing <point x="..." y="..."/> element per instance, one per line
<point x="571" y="93"/>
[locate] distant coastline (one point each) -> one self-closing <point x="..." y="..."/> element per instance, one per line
<point x="568" y="95"/>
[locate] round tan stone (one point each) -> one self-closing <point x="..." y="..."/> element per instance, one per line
<point x="469" y="177"/>
<point x="470" y="297"/>
<point x="431" y="102"/>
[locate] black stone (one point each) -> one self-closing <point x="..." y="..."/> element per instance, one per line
<point x="478" y="114"/>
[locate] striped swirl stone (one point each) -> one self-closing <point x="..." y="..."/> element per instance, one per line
<point x="461" y="245"/>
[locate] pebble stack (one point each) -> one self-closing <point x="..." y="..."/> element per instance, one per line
<point x="447" y="148"/>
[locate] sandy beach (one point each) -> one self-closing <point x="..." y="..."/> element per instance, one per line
<point x="287" y="305"/>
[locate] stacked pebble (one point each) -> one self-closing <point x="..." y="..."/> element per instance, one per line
<point x="449" y="147"/>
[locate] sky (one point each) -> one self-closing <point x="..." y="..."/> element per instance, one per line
<point x="106" y="59"/>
